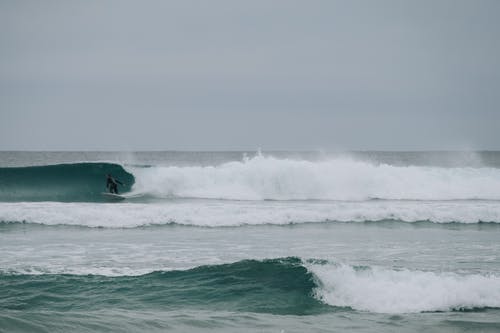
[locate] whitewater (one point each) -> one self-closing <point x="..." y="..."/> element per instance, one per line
<point x="225" y="241"/>
<point x="269" y="178"/>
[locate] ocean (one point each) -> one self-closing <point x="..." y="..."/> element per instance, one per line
<point x="250" y="242"/>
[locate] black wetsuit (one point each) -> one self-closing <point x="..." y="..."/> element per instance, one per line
<point x="111" y="183"/>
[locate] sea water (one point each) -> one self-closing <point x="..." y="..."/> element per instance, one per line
<point x="252" y="242"/>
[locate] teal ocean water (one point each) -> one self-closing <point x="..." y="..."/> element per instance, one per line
<point x="254" y="242"/>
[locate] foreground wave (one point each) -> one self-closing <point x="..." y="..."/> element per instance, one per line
<point x="287" y="286"/>
<point x="212" y="213"/>
<point x="61" y="182"/>
<point x="271" y="286"/>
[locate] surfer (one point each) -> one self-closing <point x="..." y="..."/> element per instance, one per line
<point x="112" y="184"/>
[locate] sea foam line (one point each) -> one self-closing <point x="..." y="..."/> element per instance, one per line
<point x="213" y="213"/>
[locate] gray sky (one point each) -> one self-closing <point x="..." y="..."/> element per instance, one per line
<point x="229" y="75"/>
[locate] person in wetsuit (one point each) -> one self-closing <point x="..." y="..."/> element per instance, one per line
<point x="112" y="184"/>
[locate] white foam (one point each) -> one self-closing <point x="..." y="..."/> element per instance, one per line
<point x="403" y="291"/>
<point x="213" y="213"/>
<point x="264" y="177"/>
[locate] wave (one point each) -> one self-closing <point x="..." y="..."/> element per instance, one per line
<point x="266" y="177"/>
<point x="61" y="182"/>
<point x="208" y="213"/>
<point x="287" y="286"/>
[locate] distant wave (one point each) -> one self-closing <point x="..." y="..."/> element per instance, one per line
<point x="214" y="213"/>
<point x="262" y="177"/>
<point x="258" y="178"/>
<point x="61" y="182"/>
<point x="286" y="286"/>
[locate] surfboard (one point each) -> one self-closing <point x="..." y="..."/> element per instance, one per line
<point x="112" y="196"/>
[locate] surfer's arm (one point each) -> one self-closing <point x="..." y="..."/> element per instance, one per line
<point x="119" y="182"/>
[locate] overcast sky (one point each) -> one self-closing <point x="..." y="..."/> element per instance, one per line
<point x="232" y="75"/>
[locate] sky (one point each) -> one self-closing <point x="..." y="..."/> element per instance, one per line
<point x="244" y="75"/>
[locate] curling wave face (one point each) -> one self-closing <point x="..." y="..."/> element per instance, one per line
<point x="74" y="182"/>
